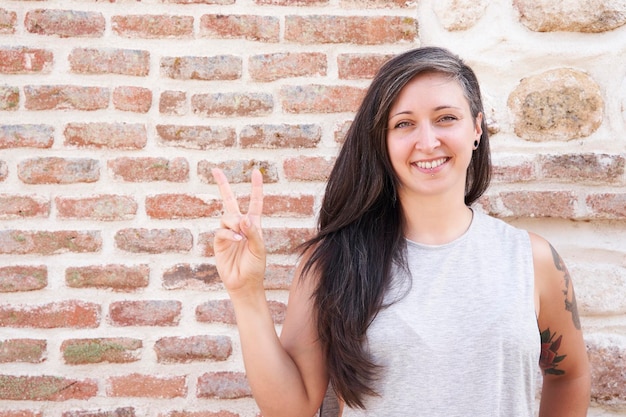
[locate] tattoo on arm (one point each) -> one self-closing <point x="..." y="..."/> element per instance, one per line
<point x="550" y="359"/>
<point x="568" y="292"/>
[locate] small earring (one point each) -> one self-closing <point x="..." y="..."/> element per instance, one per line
<point x="476" y="144"/>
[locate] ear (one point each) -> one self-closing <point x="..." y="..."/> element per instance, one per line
<point x="479" y="125"/>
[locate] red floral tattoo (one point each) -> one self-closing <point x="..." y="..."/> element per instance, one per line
<point x="550" y="359"/>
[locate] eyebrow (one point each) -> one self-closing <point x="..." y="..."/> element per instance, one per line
<point x="438" y="108"/>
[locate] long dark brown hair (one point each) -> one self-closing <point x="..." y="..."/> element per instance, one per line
<point x="360" y="226"/>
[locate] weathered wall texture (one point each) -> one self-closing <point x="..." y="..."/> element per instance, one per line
<point x="113" y="112"/>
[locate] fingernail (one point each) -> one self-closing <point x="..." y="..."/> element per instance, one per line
<point x="237" y="236"/>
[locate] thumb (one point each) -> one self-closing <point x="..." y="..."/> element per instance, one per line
<point x="253" y="233"/>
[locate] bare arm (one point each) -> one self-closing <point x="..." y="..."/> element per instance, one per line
<point x="287" y="376"/>
<point x="564" y="361"/>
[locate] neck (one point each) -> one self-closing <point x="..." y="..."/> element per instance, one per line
<point x="435" y="222"/>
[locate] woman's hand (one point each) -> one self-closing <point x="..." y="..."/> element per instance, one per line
<point x="238" y="245"/>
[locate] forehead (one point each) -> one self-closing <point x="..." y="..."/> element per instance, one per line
<point x="429" y="87"/>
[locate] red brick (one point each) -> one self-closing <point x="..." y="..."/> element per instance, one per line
<point x="26" y="136"/>
<point x="145" y="313"/>
<point x="607" y="205"/>
<point x="222" y="413"/>
<point x="271" y="67"/>
<point x="20" y="413"/>
<point x="359" y="30"/>
<point x="110" y="61"/>
<point x="214" y="68"/>
<point x="118" y="412"/>
<point x="308" y="168"/>
<point x="513" y="171"/>
<point x="283" y="205"/>
<point x="583" y="167"/>
<point x="100" y="207"/>
<point x="390" y="4"/>
<point x="284" y="241"/>
<point x="55" y="170"/>
<point x="154" y="240"/>
<point x="147" y="386"/>
<point x="9" y="98"/>
<point x="239" y="171"/>
<point x="278" y="277"/>
<point x="23" y="278"/>
<point x="193" y="349"/>
<point x="106" y="135"/>
<point x="65" y="314"/>
<point x="8" y="20"/>
<point x="109" y="350"/>
<point x="21" y="242"/>
<point x="23" y="60"/>
<point x="181" y="206"/>
<point x="197" y="137"/>
<point x="221" y="2"/>
<point x="559" y="204"/>
<point x="173" y="102"/>
<point x="65" y="23"/>
<point x="115" y="277"/>
<point x="133" y="99"/>
<point x="221" y="311"/>
<point x="146" y="169"/>
<point x="280" y="136"/>
<point x="23" y="206"/>
<point x="341" y="131"/>
<point x="321" y="98"/>
<point x="192" y="277"/>
<point x="291" y="2"/>
<point x="232" y="104"/>
<point x="608" y="371"/>
<point x="22" y="350"/>
<point x="46" y="388"/>
<point x="153" y="26"/>
<point x="205" y="243"/>
<point x="360" y="66"/>
<point x="66" y="97"/>
<point x="250" y="27"/>
<point x="223" y="385"/>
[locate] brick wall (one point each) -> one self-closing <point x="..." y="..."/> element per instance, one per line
<point x="112" y="114"/>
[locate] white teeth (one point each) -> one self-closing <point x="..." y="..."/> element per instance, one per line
<point x="430" y="164"/>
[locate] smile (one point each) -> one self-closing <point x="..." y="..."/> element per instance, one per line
<point x="431" y="164"/>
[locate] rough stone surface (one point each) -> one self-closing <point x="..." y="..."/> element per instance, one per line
<point x="561" y="104"/>
<point x="589" y="16"/>
<point x="460" y="14"/>
<point x="594" y="283"/>
<point x="607" y="358"/>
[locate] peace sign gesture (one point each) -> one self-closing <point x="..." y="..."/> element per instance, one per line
<point x="238" y="245"/>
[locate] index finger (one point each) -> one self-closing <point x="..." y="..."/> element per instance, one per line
<point x="256" y="194"/>
<point x="228" y="198"/>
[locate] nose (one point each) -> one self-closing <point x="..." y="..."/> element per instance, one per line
<point x="426" y="138"/>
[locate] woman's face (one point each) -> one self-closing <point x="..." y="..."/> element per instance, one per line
<point x="430" y="137"/>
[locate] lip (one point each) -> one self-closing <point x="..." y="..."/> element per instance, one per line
<point x="431" y="166"/>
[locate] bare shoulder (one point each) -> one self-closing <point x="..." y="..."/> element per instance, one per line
<point x="563" y="349"/>
<point x="552" y="277"/>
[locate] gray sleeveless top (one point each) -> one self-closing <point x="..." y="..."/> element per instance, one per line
<point x="462" y="338"/>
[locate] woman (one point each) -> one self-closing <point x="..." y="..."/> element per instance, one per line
<point x="407" y="300"/>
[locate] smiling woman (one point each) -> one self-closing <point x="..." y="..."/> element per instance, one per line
<point x="431" y="138"/>
<point x="408" y="301"/>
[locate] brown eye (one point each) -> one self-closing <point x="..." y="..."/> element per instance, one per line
<point x="401" y="125"/>
<point x="448" y="119"/>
